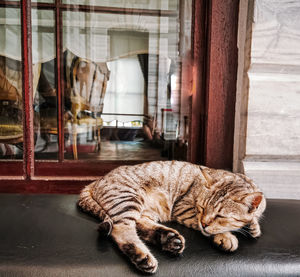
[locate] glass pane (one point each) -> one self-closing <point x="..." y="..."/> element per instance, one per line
<point x="11" y="129"/>
<point x="124" y="98"/>
<point x="44" y="85"/>
<point x="130" y="4"/>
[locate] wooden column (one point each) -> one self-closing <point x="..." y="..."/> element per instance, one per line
<point x="215" y="73"/>
<point x="221" y="83"/>
<point x="198" y="106"/>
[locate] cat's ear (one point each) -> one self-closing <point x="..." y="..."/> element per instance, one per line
<point x="208" y="180"/>
<point x="253" y="200"/>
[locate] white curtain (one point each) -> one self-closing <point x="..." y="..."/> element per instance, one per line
<point x="87" y="35"/>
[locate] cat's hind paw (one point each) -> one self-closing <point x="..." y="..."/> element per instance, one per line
<point x="147" y="264"/>
<point x="143" y="261"/>
<point x="172" y="241"/>
<point x="226" y="241"/>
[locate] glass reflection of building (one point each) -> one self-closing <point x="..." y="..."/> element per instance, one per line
<point x="121" y="81"/>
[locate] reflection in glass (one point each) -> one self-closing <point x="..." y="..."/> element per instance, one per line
<point x="11" y="130"/>
<point x="43" y="1"/>
<point x="84" y="96"/>
<point x="124" y="99"/>
<point x="129" y="4"/>
<point x="45" y="98"/>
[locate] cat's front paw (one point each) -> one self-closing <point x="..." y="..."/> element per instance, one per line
<point x="254" y="229"/>
<point x="226" y="241"/>
<point x="172" y="241"/>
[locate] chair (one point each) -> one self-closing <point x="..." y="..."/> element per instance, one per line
<point x="87" y="86"/>
<point x="11" y="124"/>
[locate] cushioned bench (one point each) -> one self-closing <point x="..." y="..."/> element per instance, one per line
<point x="46" y="235"/>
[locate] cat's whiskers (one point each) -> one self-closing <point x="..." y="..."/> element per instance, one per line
<point x="242" y="231"/>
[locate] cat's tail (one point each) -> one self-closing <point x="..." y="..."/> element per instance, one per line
<point x="87" y="203"/>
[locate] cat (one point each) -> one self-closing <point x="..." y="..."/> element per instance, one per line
<point x="132" y="200"/>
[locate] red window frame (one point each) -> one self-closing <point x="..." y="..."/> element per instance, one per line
<point x="214" y="66"/>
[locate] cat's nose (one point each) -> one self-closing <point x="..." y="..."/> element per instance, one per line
<point x="204" y="225"/>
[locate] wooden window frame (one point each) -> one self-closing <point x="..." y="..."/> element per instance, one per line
<point x="214" y="69"/>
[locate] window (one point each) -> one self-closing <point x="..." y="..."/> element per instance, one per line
<point x="11" y="129"/>
<point x="117" y="83"/>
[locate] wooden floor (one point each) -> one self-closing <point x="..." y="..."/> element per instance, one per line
<point x="123" y="150"/>
<point x="110" y="150"/>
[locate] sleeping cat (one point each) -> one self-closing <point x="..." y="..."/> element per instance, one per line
<point x="131" y="200"/>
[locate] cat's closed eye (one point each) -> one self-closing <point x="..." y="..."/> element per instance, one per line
<point x="220" y="216"/>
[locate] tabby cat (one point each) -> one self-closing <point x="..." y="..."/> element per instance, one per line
<point x="131" y="200"/>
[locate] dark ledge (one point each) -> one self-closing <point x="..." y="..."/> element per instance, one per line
<point x="45" y="235"/>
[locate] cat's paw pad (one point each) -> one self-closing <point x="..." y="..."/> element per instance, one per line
<point x="146" y="264"/>
<point x="226" y="241"/>
<point x="172" y="242"/>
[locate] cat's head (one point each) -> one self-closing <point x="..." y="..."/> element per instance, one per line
<point x="234" y="202"/>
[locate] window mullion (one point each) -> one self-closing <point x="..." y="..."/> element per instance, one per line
<point x="58" y="76"/>
<point x="27" y="93"/>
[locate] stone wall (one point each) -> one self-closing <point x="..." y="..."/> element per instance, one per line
<point x="268" y="147"/>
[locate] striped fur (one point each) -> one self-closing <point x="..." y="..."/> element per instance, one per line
<point x="130" y="201"/>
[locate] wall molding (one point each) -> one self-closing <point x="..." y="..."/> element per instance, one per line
<point x="276" y="178"/>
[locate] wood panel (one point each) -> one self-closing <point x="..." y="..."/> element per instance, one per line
<point x="11" y="168"/>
